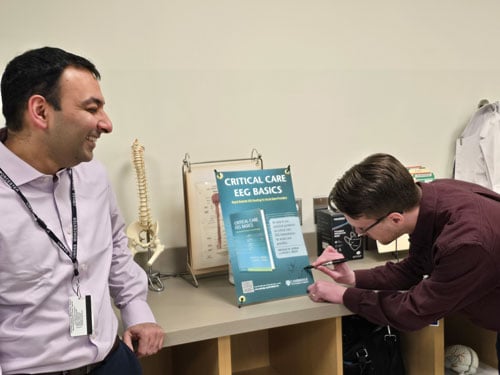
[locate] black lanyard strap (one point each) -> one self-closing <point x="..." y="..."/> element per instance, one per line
<point x="73" y="254"/>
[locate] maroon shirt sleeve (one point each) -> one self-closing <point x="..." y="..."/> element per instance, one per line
<point x="462" y="280"/>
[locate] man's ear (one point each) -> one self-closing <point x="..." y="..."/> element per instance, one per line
<point x="38" y="110"/>
<point x="396" y="217"/>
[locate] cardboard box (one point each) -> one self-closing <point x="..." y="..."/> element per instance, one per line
<point x="333" y="229"/>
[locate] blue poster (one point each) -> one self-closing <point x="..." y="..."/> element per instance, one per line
<point x="265" y="242"/>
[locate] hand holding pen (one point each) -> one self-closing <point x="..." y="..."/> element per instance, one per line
<point x="329" y="263"/>
<point x="321" y="290"/>
<point x="342" y="274"/>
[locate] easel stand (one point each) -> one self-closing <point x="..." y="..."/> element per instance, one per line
<point x="206" y="240"/>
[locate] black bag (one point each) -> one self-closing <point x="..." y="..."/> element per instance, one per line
<point x="369" y="349"/>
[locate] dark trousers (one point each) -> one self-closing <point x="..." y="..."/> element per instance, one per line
<point x="123" y="361"/>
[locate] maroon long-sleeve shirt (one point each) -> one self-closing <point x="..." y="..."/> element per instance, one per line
<point x="453" y="263"/>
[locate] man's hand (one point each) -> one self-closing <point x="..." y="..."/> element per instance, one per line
<point x="148" y="336"/>
<point x="341" y="273"/>
<point x="326" y="291"/>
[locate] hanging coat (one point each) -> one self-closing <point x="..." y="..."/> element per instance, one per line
<point x="477" y="157"/>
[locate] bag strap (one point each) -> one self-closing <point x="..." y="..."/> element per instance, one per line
<point x="390" y="336"/>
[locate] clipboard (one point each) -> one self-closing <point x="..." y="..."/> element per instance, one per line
<point x="206" y="240"/>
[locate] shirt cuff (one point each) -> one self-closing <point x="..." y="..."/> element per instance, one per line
<point x="351" y="299"/>
<point x="136" y="312"/>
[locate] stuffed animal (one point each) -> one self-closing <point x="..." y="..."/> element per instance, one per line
<point x="461" y="359"/>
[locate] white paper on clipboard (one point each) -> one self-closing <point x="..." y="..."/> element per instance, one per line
<point x="207" y="246"/>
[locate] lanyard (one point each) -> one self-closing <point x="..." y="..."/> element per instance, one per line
<point x="71" y="254"/>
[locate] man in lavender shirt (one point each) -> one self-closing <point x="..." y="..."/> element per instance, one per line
<point x="63" y="249"/>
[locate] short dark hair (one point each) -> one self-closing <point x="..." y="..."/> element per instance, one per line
<point x="36" y="72"/>
<point x="377" y="186"/>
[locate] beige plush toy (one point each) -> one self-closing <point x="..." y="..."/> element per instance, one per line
<point x="461" y="359"/>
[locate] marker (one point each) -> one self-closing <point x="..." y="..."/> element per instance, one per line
<point x="330" y="263"/>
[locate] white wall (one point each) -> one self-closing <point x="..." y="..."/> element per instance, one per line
<point x="317" y="85"/>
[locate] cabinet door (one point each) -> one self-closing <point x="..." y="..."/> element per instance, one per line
<point x="423" y="350"/>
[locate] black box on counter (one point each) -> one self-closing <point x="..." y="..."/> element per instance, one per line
<point x="333" y="229"/>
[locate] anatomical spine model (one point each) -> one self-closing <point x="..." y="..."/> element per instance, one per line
<point x="143" y="234"/>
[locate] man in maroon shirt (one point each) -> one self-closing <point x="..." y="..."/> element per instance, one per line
<point x="453" y="263"/>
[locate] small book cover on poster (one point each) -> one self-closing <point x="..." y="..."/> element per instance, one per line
<point x="251" y="241"/>
<point x="265" y="242"/>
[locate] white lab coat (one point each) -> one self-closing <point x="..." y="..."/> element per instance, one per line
<point x="477" y="157"/>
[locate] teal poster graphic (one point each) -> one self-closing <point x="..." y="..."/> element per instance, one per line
<point x="265" y="242"/>
<point x="251" y="240"/>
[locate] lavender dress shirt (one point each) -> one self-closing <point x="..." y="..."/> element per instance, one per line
<point x="36" y="276"/>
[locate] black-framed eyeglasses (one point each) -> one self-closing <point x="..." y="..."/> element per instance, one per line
<point x="363" y="231"/>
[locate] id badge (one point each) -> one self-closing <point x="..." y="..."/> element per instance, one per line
<point x="80" y="316"/>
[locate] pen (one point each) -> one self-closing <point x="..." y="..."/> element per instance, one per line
<point x="329" y="263"/>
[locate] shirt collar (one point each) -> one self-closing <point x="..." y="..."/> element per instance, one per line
<point x="17" y="169"/>
<point x="424" y="229"/>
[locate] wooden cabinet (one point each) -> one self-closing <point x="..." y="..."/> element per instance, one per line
<point x="300" y="349"/>
<point x="207" y="333"/>
<point x="423" y="350"/>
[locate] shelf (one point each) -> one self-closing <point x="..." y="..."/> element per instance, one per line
<point x="483" y="369"/>
<point x="258" y="371"/>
